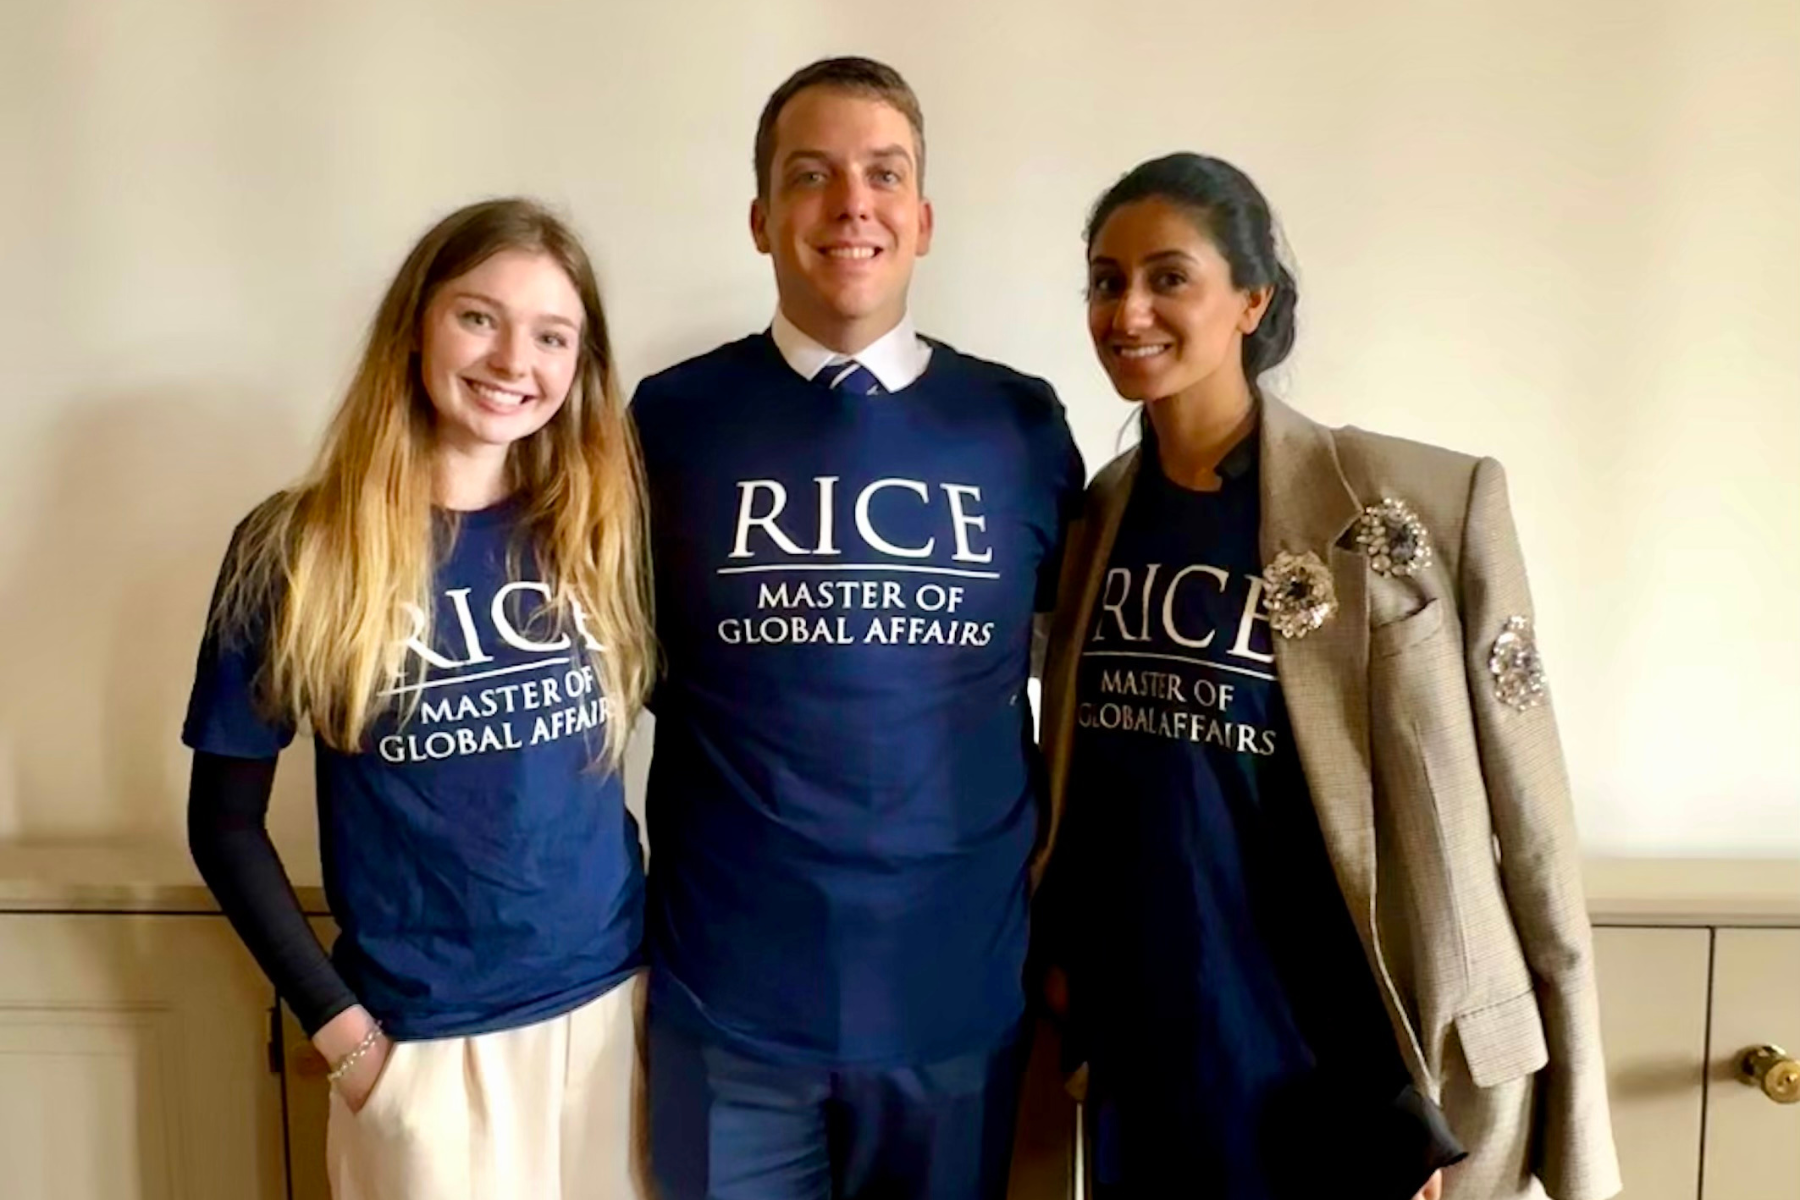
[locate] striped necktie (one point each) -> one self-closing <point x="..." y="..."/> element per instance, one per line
<point x="849" y="377"/>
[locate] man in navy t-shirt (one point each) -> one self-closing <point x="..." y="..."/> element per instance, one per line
<point x="853" y="527"/>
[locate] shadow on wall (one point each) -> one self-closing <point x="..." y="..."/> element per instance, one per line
<point x="105" y="606"/>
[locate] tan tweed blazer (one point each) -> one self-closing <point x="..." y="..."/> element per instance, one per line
<point x="1446" y="813"/>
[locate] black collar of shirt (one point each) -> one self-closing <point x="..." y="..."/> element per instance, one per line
<point x="1239" y="464"/>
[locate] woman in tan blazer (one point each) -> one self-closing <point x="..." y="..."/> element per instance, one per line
<point x="1312" y="894"/>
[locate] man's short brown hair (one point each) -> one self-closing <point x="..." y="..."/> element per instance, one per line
<point x="862" y="76"/>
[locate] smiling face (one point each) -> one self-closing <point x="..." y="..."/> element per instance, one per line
<point x="1163" y="311"/>
<point x="844" y="219"/>
<point x="499" y="350"/>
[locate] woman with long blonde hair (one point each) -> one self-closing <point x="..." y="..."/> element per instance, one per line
<point x="455" y="600"/>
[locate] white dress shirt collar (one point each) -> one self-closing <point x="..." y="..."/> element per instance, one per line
<point x="897" y="358"/>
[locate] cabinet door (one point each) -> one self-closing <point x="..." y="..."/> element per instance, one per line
<point x="134" y="1061"/>
<point x="1653" y="985"/>
<point x="1752" y="1143"/>
<point x="308" y="1100"/>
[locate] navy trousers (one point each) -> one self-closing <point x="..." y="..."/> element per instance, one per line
<point x="724" y="1126"/>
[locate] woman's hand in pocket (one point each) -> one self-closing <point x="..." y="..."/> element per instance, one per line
<point x="358" y="1083"/>
<point x="338" y="1038"/>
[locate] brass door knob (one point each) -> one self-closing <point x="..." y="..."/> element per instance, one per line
<point x="1773" y="1070"/>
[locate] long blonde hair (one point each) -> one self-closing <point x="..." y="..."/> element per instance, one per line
<point x="343" y="562"/>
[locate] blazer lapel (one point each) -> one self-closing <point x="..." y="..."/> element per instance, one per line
<point x="1089" y="549"/>
<point x="1308" y="506"/>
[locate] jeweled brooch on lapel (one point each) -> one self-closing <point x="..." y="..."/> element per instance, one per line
<point x="1518" y="668"/>
<point x="1394" y="538"/>
<point x="1298" y="592"/>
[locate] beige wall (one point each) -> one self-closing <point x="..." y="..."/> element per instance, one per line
<point x="1560" y="233"/>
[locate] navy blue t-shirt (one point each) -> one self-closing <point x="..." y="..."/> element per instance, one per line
<point x="844" y="792"/>
<point x="1234" y="1027"/>
<point x="483" y="871"/>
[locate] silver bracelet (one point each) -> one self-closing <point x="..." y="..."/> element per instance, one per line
<point x="355" y="1056"/>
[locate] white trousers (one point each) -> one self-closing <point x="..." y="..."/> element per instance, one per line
<point x="550" y="1111"/>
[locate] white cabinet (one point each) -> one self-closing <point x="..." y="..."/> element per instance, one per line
<point x="1653" y="998"/>
<point x="308" y="1099"/>
<point x="134" y="1061"/>
<point x="1752" y="1143"/>
<point x="1698" y="962"/>
<point x="137" y="1059"/>
<point x="137" y="1055"/>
